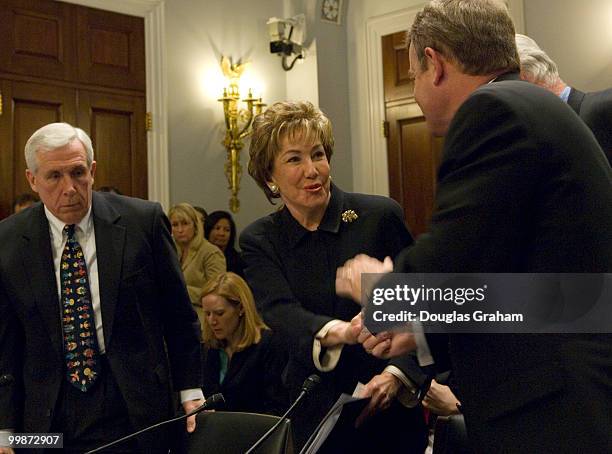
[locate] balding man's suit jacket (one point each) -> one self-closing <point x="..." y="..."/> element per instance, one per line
<point x="523" y="188"/>
<point x="145" y="312"/>
<point x="595" y="109"/>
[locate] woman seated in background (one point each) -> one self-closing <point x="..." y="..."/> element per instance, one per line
<point x="291" y="260"/>
<point x="242" y="358"/>
<point x="200" y="260"/>
<point x="220" y="230"/>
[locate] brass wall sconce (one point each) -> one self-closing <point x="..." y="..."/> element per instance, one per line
<point x="237" y="125"/>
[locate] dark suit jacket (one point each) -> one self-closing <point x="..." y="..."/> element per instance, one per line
<point x="253" y="379"/>
<point x="595" y="109"/>
<point x="144" y="303"/>
<point x="292" y="273"/>
<point x="523" y="187"/>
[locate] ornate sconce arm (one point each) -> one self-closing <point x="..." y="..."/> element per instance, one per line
<point x="238" y="126"/>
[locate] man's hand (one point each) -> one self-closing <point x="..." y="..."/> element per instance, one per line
<point x="7" y="451"/>
<point x="387" y="344"/>
<point x="441" y="400"/>
<point x="348" y="276"/>
<point x="382" y="389"/>
<point x="189" y="406"/>
<point x="343" y="333"/>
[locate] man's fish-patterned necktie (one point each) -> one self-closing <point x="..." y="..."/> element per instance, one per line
<point x="79" y="327"/>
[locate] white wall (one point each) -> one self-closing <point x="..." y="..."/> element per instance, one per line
<point x="577" y="35"/>
<point x="197" y="34"/>
<point x="303" y="80"/>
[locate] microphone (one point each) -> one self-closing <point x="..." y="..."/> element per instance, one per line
<point x="6" y="379"/>
<point x="308" y="385"/>
<point x="212" y="403"/>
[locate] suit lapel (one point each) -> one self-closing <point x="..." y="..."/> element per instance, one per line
<point x="110" y="241"/>
<point x="38" y="265"/>
<point x="191" y="253"/>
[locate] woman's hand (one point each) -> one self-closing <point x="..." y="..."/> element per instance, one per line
<point x="343" y="333"/>
<point x="441" y="400"/>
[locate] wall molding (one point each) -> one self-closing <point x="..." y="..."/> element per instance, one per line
<point x="155" y="56"/>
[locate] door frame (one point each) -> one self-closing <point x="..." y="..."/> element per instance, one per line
<point x="156" y="89"/>
<point x="374" y="150"/>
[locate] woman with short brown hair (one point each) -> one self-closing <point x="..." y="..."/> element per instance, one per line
<point x="291" y="259"/>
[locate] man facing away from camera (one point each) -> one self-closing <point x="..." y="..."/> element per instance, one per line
<point x="523" y="187"/>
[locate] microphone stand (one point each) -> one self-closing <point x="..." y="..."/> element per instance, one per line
<point x="310" y="382"/>
<point x="213" y="401"/>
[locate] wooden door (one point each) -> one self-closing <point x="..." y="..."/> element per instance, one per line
<point x="37" y="39"/>
<point x="63" y="62"/>
<point x="116" y="126"/>
<point x="26" y="107"/>
<point x="111" y="49"/>
<point x="413" y="153"/>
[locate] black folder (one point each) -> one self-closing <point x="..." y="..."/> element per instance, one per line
<point x="335" y="429"/>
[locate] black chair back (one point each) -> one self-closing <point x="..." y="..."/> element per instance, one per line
<point x="235" y="432"/>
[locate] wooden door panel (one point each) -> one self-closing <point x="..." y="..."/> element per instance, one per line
<point x="396" y="66"/>
<point x="420" y="160"/>
<point x="26" y="107"/>
<point x="413" y="154"/>
<point x="413" y="163"/>
<point x="111" y="49"/>
<point x="38" y="38"/>
<point x="116" y="127"/>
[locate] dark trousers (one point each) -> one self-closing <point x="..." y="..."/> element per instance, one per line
<point x="93" y="418"/>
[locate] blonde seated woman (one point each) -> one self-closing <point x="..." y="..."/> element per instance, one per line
<point x="200" y="260"/>
<point x="242" y="358"/>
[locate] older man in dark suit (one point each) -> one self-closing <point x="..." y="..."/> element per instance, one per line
<point x="96" y="320"/>
<point x="523" y="187"/>
<point x="594" y="108"/>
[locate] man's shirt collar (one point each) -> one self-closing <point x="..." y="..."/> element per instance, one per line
<point x="57" y="226"/>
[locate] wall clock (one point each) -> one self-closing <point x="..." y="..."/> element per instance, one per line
<point x="331" y="11"/>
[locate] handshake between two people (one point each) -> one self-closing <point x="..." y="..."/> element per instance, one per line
<point x="382" y="388"/>
<point x="383" y="345"/>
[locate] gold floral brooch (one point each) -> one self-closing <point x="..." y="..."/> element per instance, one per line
<point x="349" y="216"/>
